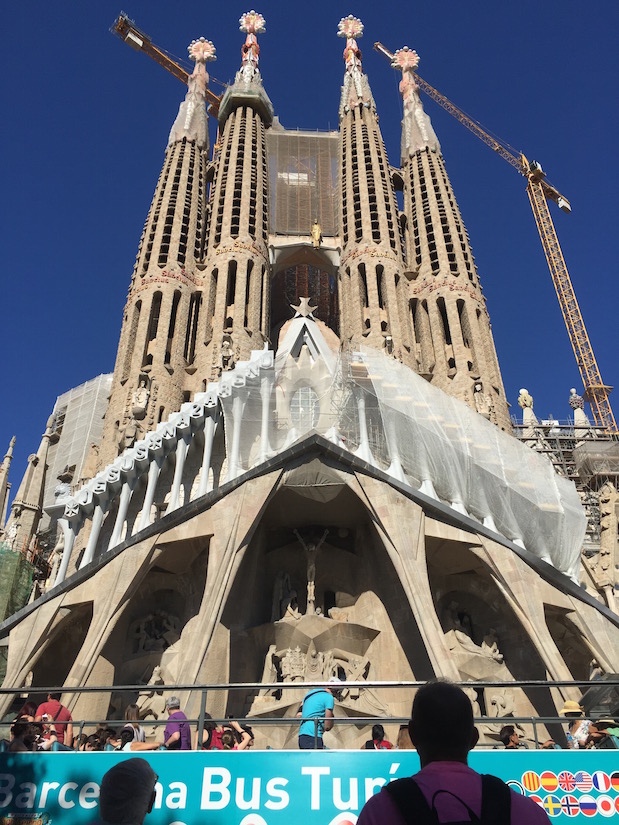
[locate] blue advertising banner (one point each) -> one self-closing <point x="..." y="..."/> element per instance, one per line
<point x="267" y="787"/>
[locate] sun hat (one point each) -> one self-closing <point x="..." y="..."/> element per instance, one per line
<point x="571" y="707"/>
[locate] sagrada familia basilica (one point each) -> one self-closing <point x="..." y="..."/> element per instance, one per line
<point x="307" y="466"/>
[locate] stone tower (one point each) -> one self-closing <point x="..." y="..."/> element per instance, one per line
<point x="453" y="340"/>
<point x="158" y="337"/>
<point x="27" y="506"/>
<point x="374" y="289"/>
<point x="236" y="276"/>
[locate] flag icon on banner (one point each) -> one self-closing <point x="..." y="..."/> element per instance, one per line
<point x="570" y="806"/>
<point x="530" y="780"/>
<point x="549" y="781"/>
<point x="601" y="781"/>
<point x="552" y="805"/>
<point x="566" y="781"/>
<point x="583" y="781"/>
<point x="614" y="780"/>
<point x="606" y="806"/>
<point x="538" y="800"/>
<point x="588" y="805"/>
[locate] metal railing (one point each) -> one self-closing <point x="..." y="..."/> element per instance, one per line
<point x="358" y="721"/>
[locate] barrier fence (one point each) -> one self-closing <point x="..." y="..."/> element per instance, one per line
<point x="606" y="703"/>
<point x="266" y="787"/>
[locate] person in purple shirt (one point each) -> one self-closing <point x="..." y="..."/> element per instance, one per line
<point x="446" y="789"/>
<point x="177" y="733"/>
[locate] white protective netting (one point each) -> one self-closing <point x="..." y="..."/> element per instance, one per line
<point x="415" y="432"/>
<point x="471" y="462"/>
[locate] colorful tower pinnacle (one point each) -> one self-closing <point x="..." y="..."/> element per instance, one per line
<point x="236" y="277"/>
<point x="453" y="341"/>
<point x="160" y="325"/>
<point x="374" y="292"/>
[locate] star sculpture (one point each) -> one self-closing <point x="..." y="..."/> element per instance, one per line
<point x="201" y="50"/>
<point x="304" y="310"/>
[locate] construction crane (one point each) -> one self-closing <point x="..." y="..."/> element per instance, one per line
<point x="540" y="192"/>
<point x="128" y="32"/>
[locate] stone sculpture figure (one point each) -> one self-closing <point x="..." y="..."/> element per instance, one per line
<point x="227" y="356"/>
<point x="132" y="432"/>
<point x="152" y="702"/>
<point x="311" y="550"/>
<point x="284" y="598"/>
<point x="156" y="631"/>
<point x="140" y="400"/>
<point x="316" y="234"/>
<point x="293" y="665"/>
<point x="490" y="646"/>
<point x="481" y="401"/>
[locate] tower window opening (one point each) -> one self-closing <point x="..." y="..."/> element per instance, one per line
<point x="160" y="415"/>
<point x="191" y="333"/>
<point x="172" y="326"/>
<point x="153" y="324"/>
<point x="248" y="280"/>
<point x="445" y="321"/>
<point x="413" y="307"/>
<point x="379" y="286"/>
<point x="231" y="287"/>
<point x="363" y="285"/>
<point x="131" y="336"/>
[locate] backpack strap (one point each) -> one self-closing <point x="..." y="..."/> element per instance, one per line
<point x="496" y="800"/>
<point x="414" y="809"/>
<point x="411" y="802"/>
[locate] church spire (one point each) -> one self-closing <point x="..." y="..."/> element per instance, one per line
<point x="247" y="88"/>
<point x="417" y="131"/>
<point x="4" y="482"/>
<point x="356" y="88"/>
<point x="451" y="327"/>
<point x="27" y="507"/>
<point x="252" y="24"/>
<point x="192" y="121"/>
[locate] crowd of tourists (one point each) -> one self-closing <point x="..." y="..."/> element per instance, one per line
<point x="50" y="726"/>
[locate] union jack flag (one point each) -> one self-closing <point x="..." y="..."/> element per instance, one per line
<point x="583" y="781"/>
<point x="566" y="781"/>
<point x="570" y="806"/>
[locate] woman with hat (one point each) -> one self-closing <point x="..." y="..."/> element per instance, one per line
<point x="578" y="730"/>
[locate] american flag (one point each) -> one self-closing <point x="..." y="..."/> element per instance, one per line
<point x="566" y="781"/>
<point x="583" y="781"/>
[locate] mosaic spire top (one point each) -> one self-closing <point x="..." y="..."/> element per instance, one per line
<point x="417" y="131"/>
<point x="252" y="23"/>
<point x="356" y="89"/>
<point x="192" y="121"/>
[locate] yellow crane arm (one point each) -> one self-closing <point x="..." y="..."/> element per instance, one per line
<point x="540" y="192"/>
<point x="596" y="392"/>
<point x="128" y="32"/>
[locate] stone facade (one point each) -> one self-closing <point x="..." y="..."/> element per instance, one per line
<point x="284" y="495"/>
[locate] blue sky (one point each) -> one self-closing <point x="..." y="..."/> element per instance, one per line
<point x="86" y="121"/>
